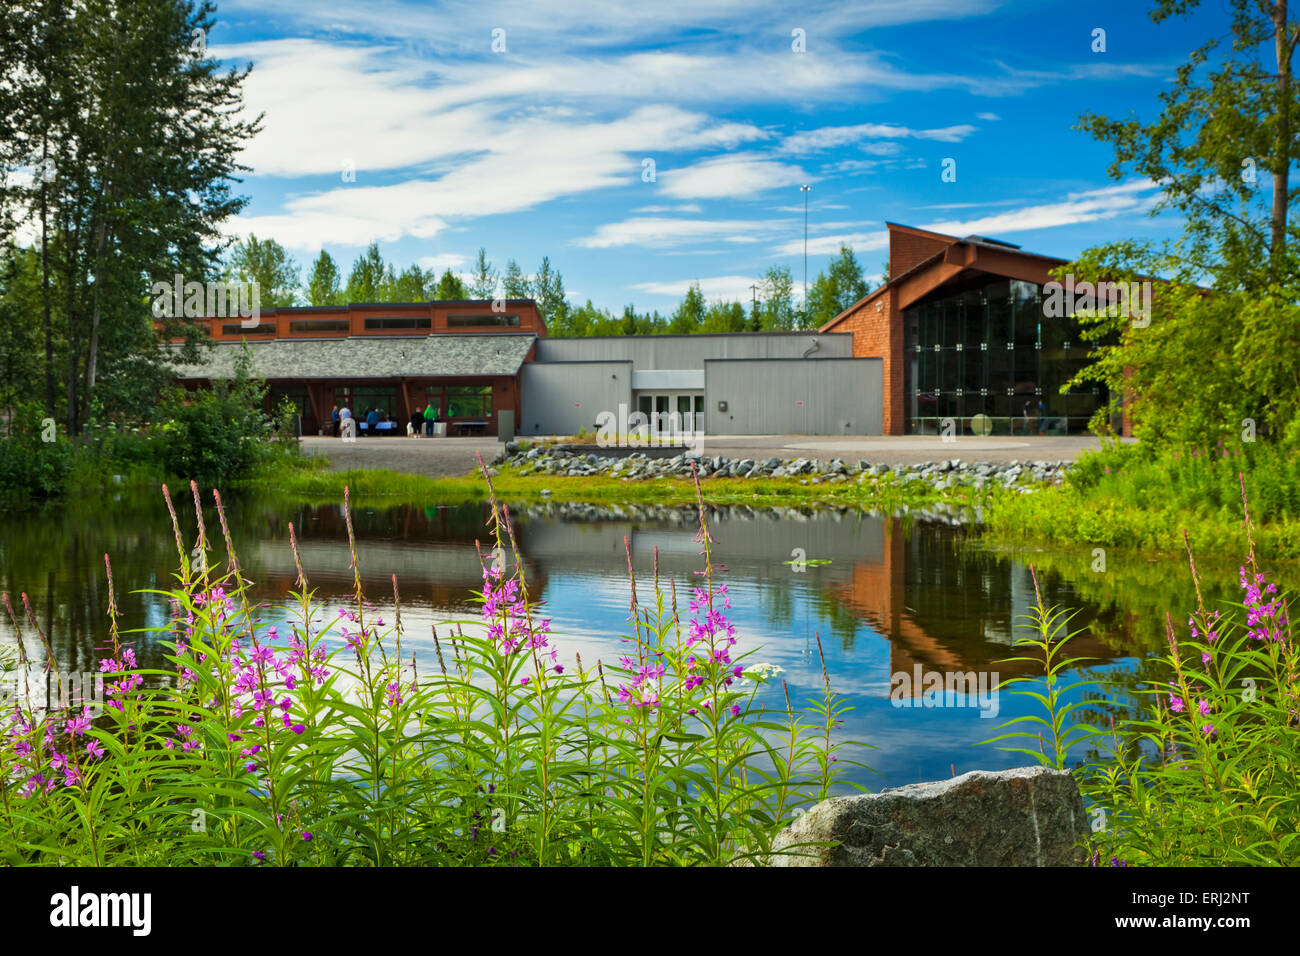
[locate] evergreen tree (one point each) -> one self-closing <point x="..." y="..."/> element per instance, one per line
<point x="548" y="291"/>
<point x="450" y="288"/>
<point x="323" y="282"/>
<point x="515" y="284"/>
<point x="483" y="281"/>
<point x="367" y="278"/>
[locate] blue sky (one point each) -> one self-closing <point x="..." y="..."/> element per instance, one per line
<point x="540" y="148"/>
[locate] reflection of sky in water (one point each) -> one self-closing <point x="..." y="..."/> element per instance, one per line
<point x="913" y="739"/>
<point x="949" y="610"/>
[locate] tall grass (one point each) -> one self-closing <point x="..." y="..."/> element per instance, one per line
<point x="1208" y="771"/>
<point x="1138" y="496"/>
<point x="321" y="741"/>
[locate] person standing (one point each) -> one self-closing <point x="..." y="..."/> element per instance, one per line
<point x="430" y="416"/>
<point x="372" y="419"/>
<point x="334" y="418"/>
<point x="417" y="423"/>
<point x="347" y="427"/>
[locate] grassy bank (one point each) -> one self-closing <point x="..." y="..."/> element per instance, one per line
<point x="373" y="485"/>
<point x="1131" y="496"/>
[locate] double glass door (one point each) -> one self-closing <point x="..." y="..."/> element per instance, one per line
<point x="687" y="407"/>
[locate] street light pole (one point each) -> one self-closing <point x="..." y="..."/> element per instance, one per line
<point x="805" y="190"/>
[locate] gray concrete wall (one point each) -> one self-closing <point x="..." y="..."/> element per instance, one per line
<point x="691" y="351"/>
<point x="839" y="396"/>
<point x="562" y="398"/>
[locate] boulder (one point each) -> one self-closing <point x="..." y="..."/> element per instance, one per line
<point x="1029" y="816"/>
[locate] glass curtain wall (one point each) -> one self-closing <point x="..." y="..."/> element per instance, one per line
<point x="982" y="359"/>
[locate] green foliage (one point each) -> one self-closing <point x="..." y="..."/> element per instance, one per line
<point x="483" y="282"/>
<point x="219" y="434"/>
<point x="776" y="305"/>
<point x="269" y="264"/>
<point x="515" y="284"/>
<point x="1140" y="496"/>
<point x="450" y="288"/>
<point x="323" y="283"/>
<point x="1055" y="734"/>
<point x="690" y="314"/>
<point x="137" y="138"/>
<point x="834" y="290"/>
<point x="1207" y="772"/>
<point x="500" y="757"/>
<point x="34" y="458"/>
<point x="548" y="290"/>
<point x="366" y="281"/>
<point x="1227" y="124"/>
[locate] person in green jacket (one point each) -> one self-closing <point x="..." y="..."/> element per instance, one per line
<point x="430" y="416"/>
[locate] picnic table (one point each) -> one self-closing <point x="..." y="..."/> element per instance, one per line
<point x="473" y="426"/>
<point x="381" y="428"/>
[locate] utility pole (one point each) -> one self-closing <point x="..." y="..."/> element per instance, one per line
<point x="805" y="190"/>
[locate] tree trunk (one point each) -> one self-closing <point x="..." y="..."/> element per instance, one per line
<point x="1283" y="45"/>
<point x="92" y="355"/>
<point x="45" y="283"/>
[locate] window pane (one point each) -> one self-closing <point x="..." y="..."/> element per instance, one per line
<point x="469" y="401"/>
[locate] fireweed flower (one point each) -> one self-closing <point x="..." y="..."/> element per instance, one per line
<point x="506" y="615"/>
<point x="1175" y="703"/>
<point x="1264" y="618"/>
<point x="76" y="726"/>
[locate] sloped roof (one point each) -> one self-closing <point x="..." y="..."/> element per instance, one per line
<point x="377" y="356"/>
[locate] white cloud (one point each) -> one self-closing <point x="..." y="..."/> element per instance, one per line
<point x="988" y="117"/>
<point x="830" y="245"/>
<point x="887" y="148"/>
<point x="1091" y="205"/>
<point x="829" y="137"/>
<point x="659" y="231"/>
<point x="444" y="260"/>
<point x="728" y="288"/>
<point x="737" y="176"/>
<point x="683" y="207"/>
<point x="1088" y="206"/>
<point x="524" y="164"/>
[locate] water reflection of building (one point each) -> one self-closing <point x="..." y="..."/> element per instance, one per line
<point x="937" y="603"/>
<point x="943" y="606"/>
<point x="432" y="551"/>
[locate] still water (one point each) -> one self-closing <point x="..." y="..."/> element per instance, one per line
<point x="906" y="594"/>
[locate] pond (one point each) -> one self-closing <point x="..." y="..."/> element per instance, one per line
<point x="895" y="598"/>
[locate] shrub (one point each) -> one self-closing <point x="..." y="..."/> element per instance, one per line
<point x="30" y="465"/>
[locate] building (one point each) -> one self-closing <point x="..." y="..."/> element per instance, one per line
<point x="742" y="383"/>
<point x="962" y="336"/>
<point x="957" y="341"/>
<point x="461" y="357"/>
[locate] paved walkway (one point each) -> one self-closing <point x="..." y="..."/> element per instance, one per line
<point x="449" y="457"/>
